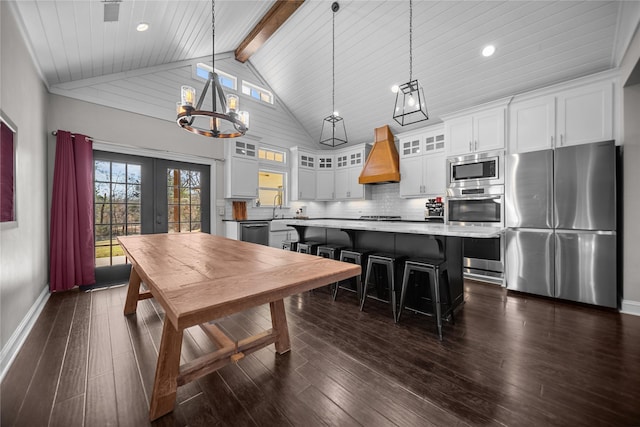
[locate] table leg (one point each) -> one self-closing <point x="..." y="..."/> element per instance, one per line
<point x="165" y="384"/>
<point x="131" y="303"/>
<point x="279" y="323"/>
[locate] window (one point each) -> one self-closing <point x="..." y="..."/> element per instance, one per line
<point x="183" y="201"/>
<point x="226" y="79"/>
<point x="271" y="188"/>
<point x="271" y="155"/>
<point x="257" y="93"/>
<point x="117" y="199"/>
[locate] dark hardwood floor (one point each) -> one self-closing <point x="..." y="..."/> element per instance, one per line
<point x="510" y="359"/>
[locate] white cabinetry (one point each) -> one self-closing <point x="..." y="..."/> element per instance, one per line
<point x="585" y="114"/>
<point x="303" y="175"/>
<point x="241" y="170"/>
<point x="482" y="130"/>
<point x="532" y="124"/>
<point x="423" y="164"/>
<point x="574" y="116"/>
<point x="349" y="164"/>
<point x="325" y="177"/>
<point x="231" y="230"/>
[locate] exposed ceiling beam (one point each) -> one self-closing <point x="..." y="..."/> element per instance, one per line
<point x="269" y="24"/>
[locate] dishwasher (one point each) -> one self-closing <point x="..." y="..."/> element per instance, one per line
<point x="255" y="232"/>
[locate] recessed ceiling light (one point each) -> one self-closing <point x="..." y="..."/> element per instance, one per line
<point x="143" y="26"/>
<point x="488" y="50"/>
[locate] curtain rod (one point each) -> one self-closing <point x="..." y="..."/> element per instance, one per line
<point x="73" y="135"/>
<point x="126" y="146"/>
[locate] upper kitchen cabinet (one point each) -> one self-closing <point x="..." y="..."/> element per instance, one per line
<point x="579" y="115"/>
<point x="423" y="163"/>
<point x="585" y="114"/>
<point x="325" y="177"/>
<point x="532" y="124"/>
<point x="476" y="130"/>
<point x="241" y="170"/>
<point x="349" y="163"/>
<point x="303" y="174"/>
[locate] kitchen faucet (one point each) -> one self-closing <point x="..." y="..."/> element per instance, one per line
<point x="277" y="202"/>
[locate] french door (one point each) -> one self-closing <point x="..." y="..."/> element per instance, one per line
<point x="143" y="195"/>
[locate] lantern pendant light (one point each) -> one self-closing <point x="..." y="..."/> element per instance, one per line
<point x="333" y="132"/>
<point x="410" y="105"/>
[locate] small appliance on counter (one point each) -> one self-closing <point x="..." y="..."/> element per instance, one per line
<point x="434" y="210"/>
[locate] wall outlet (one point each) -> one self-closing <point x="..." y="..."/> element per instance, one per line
<point x="221" y="211"/>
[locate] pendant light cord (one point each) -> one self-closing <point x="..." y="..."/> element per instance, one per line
<point x="213" y="55"/>
<point x="410" y="40"/>
<point x="213" y="34"/>
<point x="333" y="66"/>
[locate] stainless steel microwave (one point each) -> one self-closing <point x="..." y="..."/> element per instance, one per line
<point x="476" y="170"/>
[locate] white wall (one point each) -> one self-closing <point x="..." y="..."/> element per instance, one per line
<point x="23" y="244"/>
<point x="631" y="99"/>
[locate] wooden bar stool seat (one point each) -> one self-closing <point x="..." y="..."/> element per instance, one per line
<point x="389" y="262"/>
<point x="435" y="270"/>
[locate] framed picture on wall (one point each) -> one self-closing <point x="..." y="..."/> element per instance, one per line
<point x="8" y="133"/>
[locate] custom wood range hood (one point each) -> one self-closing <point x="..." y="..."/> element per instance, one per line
<point x="383" y="164"/>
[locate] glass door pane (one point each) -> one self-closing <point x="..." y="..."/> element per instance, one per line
<point x="123" y="205"/>
<point x="182" y="202"/>
<point x="117" y="208"/>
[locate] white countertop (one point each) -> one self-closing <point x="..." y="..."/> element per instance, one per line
<point x="402" y="227"/>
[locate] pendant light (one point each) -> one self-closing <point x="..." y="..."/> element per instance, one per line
<point x="410" y="103"/>
<point x="333" y="132"/>
<point x="225" y="120"/>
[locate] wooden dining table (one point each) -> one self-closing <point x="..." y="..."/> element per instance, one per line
<point x="197" y="278"/>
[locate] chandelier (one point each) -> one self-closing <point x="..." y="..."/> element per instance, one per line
<point x="410" y="104"/>
<point x="333" y="131"/>
<point x="225" y="120"/>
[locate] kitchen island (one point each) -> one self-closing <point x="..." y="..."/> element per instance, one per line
<point x="411" y="239"/>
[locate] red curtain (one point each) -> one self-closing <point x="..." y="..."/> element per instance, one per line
<point x="71" y="241"/>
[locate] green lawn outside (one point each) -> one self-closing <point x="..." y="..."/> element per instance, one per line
<point x="104" y="251"/>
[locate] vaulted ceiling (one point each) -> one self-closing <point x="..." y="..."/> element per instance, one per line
<point x="537" y="43"/>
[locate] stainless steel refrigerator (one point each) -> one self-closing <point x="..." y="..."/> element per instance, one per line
<point x="561" y="223"/>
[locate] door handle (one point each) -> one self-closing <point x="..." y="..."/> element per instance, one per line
<point x="470" y="148"/>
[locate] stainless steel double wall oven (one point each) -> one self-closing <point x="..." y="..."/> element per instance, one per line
<point x="475" y="190"/>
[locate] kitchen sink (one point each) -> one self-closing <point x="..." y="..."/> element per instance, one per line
<point x="280" y="224"/>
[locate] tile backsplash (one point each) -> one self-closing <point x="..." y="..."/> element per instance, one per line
<point x="385" y="200"/>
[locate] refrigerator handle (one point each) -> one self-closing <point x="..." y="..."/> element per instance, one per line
<point x="601" y="232"/>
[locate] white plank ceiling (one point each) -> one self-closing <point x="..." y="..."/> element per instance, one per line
<point x="538" y="43"/>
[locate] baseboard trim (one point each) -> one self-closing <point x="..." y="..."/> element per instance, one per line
<point x="630" y="307"/>
<point x="10" y="350"/>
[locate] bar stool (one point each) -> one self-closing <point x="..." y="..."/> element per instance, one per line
<point x="389" y="263"/>
<point x="435" y="269"/>
<point x="358" y="257"/>
<point x="331" y="252"/>
<point x="309" y="247"/>
<point x="290" y="245"/>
